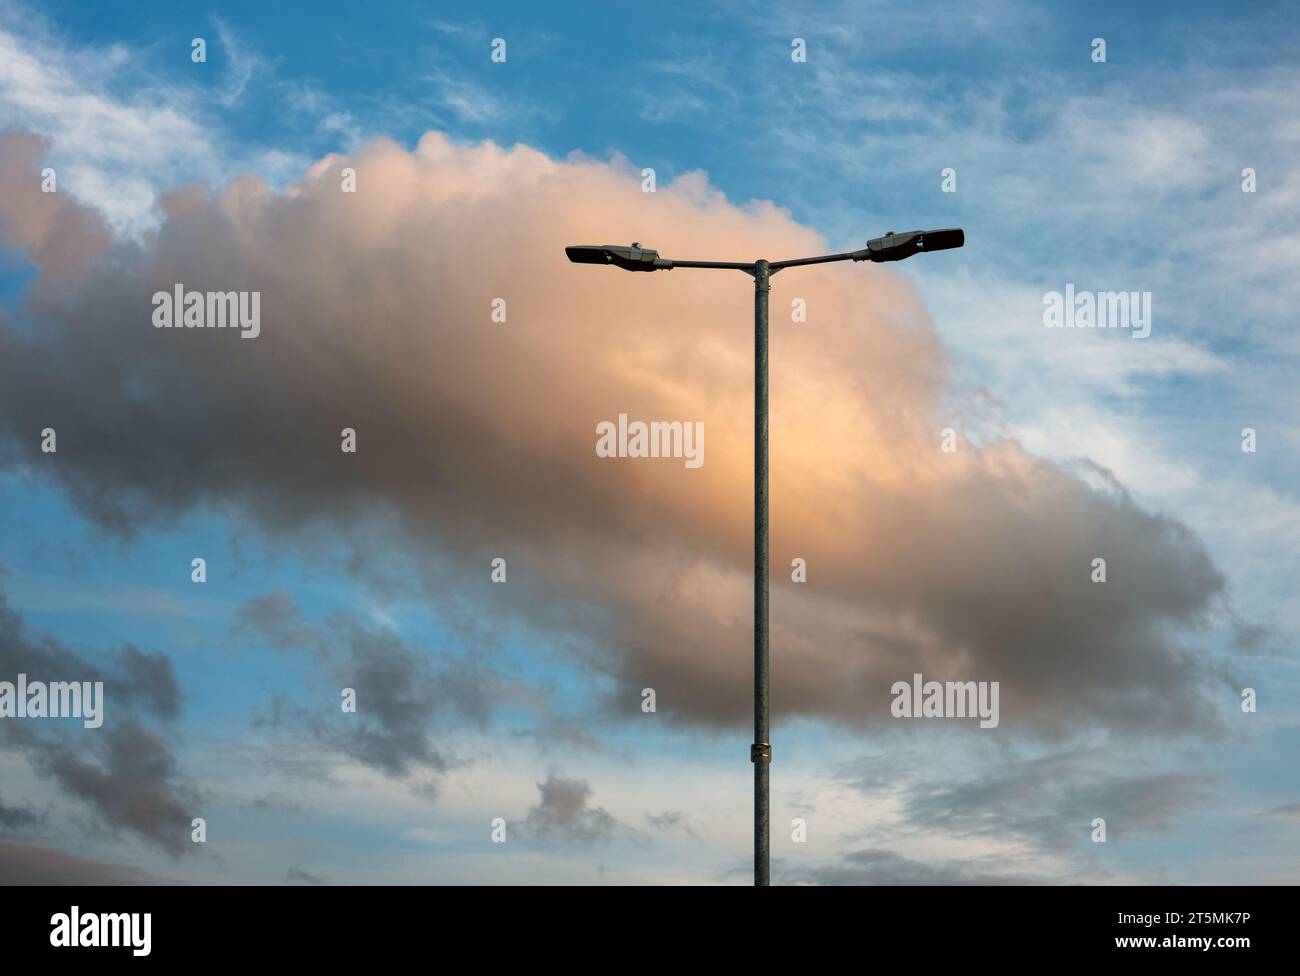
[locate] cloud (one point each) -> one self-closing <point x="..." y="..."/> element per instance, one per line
<point x="124" y="771"/>
<point x="470" y="103"/>
<point x="874" y="866"/>
<point x="107" y="150"/>
<point x="1052" y="800"/>
<point x="476" y="439"/>
<point x="278" y="619"/>
<point x="402" y="696"/>
<point x="17" y="818"/>
<point x="242" y="63"/>
<point x="297" y="875"/>
<point x="273" y="805"/>
<point x="670" y="820"/>
<point x="564" y="817"/>
<point x="1032" y="814"/>
<point x="132" y="678"/>
<point x="152" y="678"/>
<point x="130" y="779"/>
<point x="1286" y="811"/>
<point x="22" y="864"/>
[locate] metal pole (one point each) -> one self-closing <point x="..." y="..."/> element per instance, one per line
<point x="760" y="753"/>
<point x="891" y="247"/>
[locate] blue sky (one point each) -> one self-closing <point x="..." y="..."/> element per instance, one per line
<point x="1117" y="175"/>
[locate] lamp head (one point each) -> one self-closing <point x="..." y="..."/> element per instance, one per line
<point x="631" y="257"/>
<point x="896" y="247"/>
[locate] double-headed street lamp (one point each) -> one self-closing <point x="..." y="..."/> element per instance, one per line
<point x="891" y="247"/>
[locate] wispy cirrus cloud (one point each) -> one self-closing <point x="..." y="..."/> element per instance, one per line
<point x="112" y="150"/>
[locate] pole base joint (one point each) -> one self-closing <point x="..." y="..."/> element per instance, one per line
<point x="760" y="752"/>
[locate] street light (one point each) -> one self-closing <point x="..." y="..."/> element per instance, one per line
<point x="891" y="247"/>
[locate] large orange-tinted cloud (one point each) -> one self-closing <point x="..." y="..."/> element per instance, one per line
<point x="477" y="438"/>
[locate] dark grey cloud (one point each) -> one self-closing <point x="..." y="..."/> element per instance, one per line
<point x="404" y="696"/>
<point x="18" y="817"/>
<point x="273" y="805"/>
<point x="1051" y="801"/>
<point x="297" y="875"/>
<point x="1044" y="805"/>
<point x="130" y="779"/>
<point x="566" y="818"/>
<point x="124" y="772"/>
<point x="278" y="620"/>
<point x="1286" y="811"/>
<point x="476" y="441"/>
<point x="670" y="820"/>
<point x="151" y="678"/>
<point x="133" y="679"/>
<point x="398" y="695"/>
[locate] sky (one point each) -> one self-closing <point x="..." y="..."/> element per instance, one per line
<point x="947" y="468"/>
